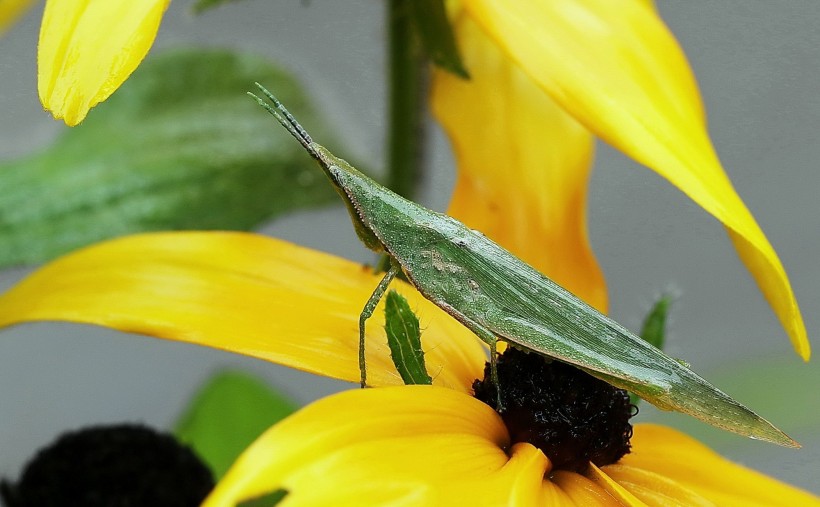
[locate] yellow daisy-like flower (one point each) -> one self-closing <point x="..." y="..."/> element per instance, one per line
<point x="276" y="301"/>
<point x="416" y="445"/>
<point x="546" y="75"/>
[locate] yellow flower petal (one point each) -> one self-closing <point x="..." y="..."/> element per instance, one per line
<point x="617" y="69"/>
<point x="583" y="491"/>
<point x="523" y="164"/>
<point x="243" y="293"/>
<point x="411" y="445"/>
<point x="310" y="453"/>
<point x="422" y="445"/>
<point x="609" y="485"/>
<point x="10" y="11"/>
<point x="88" y="48"/>
<point x="666" y="464"/>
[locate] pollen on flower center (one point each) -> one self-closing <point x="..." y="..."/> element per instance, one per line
<point x="570" y="415"/>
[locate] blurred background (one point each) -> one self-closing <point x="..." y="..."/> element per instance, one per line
<point x="758" y="65"/>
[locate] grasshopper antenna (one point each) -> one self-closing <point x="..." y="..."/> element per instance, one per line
<point x="287" y="120"/>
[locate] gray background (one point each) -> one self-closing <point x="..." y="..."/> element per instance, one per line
<point x="757" y="64"/>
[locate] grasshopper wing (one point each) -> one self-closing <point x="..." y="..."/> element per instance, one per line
<point x="480" y="283"/>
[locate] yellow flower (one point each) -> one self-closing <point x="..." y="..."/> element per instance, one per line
<point x="419" y="445"/>
<point x="425" y="445"/>
<point x="283" y="303"/>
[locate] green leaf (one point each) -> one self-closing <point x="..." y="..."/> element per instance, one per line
<point x="201" y="6"/>
<point x="179" y="146"/>
<point x="436" y="35"/>
<point x="268" y="500"/>
<point x="654" y="325"/>
<point x="654" y="330"/>
<point x="229" y="413"/>
<point x="404" y="339"/>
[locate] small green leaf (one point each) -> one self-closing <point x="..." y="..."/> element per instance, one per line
<point x="268" y="500"/>
<point x="227" y="415"/>
<point x="179" y="146"/>
<point x="404" y="339"/>
<point x="654" y="331"/>
<point x="654" y="325"/>
<point x="436" y="35"/>
<point x="201" y="6"/>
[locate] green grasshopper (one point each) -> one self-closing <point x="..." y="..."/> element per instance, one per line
<point x="497" y="296"/>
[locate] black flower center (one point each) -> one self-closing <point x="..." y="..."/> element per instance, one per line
<point x="125" y="465"/>
<point x="570" y="415"/>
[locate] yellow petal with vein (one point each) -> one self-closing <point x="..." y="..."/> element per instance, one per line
<point x="242" y="293"/>
<point x="523" y="164"/>
<point x="667" y="467"/>
<point x="410" y="445"/>
<point x="88" y="48"/>
<point x="615" y="490"/>
<point x="615" y="67"/>
<point x="324" y="453"/>
<point x="10" y="11"/>
<point x="583" y="491"/>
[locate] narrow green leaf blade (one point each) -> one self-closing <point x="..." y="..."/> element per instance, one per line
<point x="201" y="6"/>
<point x="268" y="500"/>
<point x="436" y="35"/>
<point x="227" y="415"/>
<point x="179" y="146"/>
<point x="653" y="330"/>
<point x="404" y="339"/>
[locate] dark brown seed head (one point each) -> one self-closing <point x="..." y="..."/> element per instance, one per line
<point x="111" y="466"/>
<point x="570" y="415"/>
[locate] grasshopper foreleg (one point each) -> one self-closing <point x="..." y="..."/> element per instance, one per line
<point x="367" y="312"/>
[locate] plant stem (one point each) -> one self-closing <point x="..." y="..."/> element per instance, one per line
<point x="407" y="86"/>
